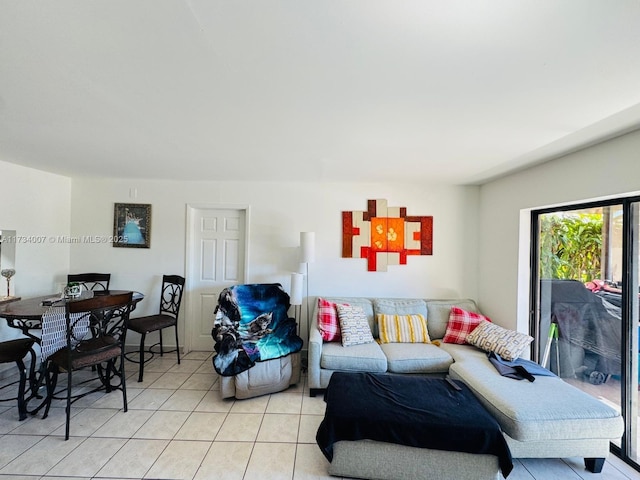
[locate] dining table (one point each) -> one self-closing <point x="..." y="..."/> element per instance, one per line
<point x="26" y="315"/>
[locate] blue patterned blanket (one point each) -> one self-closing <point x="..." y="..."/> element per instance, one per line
<point x="252" y="325"/>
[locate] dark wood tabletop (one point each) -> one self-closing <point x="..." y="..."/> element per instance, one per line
<point x="4" y="300"/>
<point x="27" y="309"/>
<point x="27" y="314"/>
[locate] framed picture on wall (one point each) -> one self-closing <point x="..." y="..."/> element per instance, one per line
<point x="132" y="225"/>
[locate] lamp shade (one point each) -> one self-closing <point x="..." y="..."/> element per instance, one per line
<point x="296" y="288"/>
<point x="307" y="247"/>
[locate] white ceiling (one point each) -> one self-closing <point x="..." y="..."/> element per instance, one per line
<point x="456" y="91"/>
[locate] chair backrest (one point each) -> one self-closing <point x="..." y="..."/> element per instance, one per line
<point x="91" y="281"/>
<point x="107" y="315"/>
<point x="171" y="295"/>
<point x="78" y="320"/>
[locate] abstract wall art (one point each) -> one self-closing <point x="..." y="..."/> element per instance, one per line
<point x="385" y="235"/>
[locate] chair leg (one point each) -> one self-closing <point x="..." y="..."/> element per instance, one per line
<point x="105" y="378"/>
<point x="161" y="349"/>
<point x="177" y="344"/>
<point x="141" y="369"/>
<point x="22" y="407"/>
<point x="68" y="409"/>
<point x="123" y="384"/>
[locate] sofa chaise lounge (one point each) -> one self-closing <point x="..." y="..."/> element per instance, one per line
<point x="547" y="418"/>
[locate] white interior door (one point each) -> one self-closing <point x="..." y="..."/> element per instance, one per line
<point x="216" y="249"/>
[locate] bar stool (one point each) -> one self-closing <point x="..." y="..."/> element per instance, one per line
<point x="167" y="316"/>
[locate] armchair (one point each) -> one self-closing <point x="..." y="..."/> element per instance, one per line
<point x="257" y="348"/>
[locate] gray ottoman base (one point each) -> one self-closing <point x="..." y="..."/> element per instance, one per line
<point x="388" y="461"/>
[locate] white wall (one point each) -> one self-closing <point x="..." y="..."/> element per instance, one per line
<point x="480" y="234"/>
<point x="477" y="231"/>
<point x="608" y="169"/>
<point x="34" y="204"/>
<point x="278" y="213"/>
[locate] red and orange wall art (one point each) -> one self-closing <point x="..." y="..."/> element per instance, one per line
<point x="385" y="235"/>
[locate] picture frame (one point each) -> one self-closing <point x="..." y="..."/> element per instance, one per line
<point x="132" y="225"/>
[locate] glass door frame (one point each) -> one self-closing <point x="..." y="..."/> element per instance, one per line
<point x="629" y="330"/>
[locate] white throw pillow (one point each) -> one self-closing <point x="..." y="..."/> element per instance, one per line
<point x="490" y="337"/>
<point x="354" y="326"/>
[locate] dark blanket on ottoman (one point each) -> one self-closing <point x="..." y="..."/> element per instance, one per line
<point x="413" y="411"/>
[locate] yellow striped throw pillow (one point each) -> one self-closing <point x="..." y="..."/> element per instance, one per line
<point x="403" y="328"/>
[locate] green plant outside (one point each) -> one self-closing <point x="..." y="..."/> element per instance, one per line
<point x="571" y="246"/>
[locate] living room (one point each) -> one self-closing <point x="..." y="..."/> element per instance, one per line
<point x="481" y="238"/>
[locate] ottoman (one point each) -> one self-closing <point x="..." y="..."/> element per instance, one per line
<point x="386" y="426"/>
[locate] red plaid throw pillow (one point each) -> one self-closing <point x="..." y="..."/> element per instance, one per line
<point x="328" y="323"/>
<point x="461" y="323"/>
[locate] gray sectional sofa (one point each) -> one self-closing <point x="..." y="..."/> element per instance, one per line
<point x="547" y="418"/>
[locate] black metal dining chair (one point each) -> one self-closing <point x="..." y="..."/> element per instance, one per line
<point x="91" y="281"/>
<point x="170" y="300"/>
<point x="14" y="351"/>
<point x="94" y="333"/>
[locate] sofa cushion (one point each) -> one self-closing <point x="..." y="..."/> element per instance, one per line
<point x="416" y="358"/>
<point x="400" y="306"/>
<point x="354" y="327"/>
<point x="402" y="328"/>
<point x="438" y="314"/>
<point x="461" y="323"/>
<point x="367" y="357"/>
<point x="509" y="344"/>
<point x="462" y="353"/>
<point x="547" y="409"/>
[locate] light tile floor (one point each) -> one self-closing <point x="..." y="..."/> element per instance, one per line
<point x="177" y="427"/>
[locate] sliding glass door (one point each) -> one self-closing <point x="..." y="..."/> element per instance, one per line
<point x="632" y="313"/>
<point x="585" y="292"/>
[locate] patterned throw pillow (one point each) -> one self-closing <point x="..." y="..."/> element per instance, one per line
<point x="403" y="328"/>
<point x="490" y="337"/>
<point x="328" y="323"/>
<point x="353" y="325"/>
<point x="460" y="324"/>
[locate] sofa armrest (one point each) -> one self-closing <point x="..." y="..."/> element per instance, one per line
<point x="315" y="350"/>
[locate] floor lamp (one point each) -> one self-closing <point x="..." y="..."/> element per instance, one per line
<point x="307" y="256"/>
<point x="296" y="297"/>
